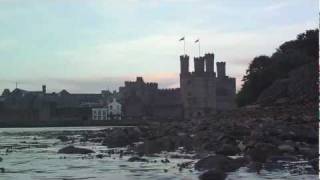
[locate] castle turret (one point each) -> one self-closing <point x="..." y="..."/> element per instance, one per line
<point x="199" y="65"/>
<point x="184" y="64"/>
<point x="139" y="80"/>
<point x="221" y="69"/>
<point x="209" y="58"/>
<point x="44" y="89"/>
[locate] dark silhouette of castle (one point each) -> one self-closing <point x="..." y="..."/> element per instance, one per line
<point x="201" y="93"/>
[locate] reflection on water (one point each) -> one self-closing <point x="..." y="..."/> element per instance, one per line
<point x="31" y="154"/>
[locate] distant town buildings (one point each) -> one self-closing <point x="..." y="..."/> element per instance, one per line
<point x="43" y="106"/>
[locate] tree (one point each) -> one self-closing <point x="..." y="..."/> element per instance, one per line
<point x="264" y="70"/>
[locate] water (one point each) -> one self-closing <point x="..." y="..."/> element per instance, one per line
<point x="34" y="157"/>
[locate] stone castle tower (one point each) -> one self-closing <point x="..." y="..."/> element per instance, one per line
<point x="202" y="92"/>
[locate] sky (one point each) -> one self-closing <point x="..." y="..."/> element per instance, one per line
<point x="91" y="45"/>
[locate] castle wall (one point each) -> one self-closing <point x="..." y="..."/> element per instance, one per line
<point x="226" y="93"/>
<point x="142" y="100"/>
<point x="198" y="95"/>
<point x="168" y="105"/>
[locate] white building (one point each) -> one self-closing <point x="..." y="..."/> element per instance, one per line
<point x="111" y="112"/>
<point x="100" y="113"/>
<point x="114" y="110"/>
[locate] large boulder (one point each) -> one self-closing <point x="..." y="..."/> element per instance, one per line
<point x="63" y="138"/>
<point x="286" y="148"/>
<point x="315" y="164"/>
<point x="137" y="159"/>
<point x="213" y="174"/>
<point x="220" y="162"/>
<point x="308" y="152"/>
<point x="228" y="150"/>
<point x="120" y="137"/>
<point x="261" y="151"/>
<point x="254" y="167"/>
<point x="75" y="150"/>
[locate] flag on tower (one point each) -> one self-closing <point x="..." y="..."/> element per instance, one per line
<point x="182" y="39"/>
<point x="196" y="41"/>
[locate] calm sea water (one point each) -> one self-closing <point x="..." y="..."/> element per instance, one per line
<point x="34" y="157"/>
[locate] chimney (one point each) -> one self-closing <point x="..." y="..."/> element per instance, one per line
<point x="44" y="89"/>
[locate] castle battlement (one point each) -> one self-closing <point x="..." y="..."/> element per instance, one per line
<point x="139" y="81"/>
<point x="209" y="55"/>
<point x="169" y="90"/>
<point x="151" y="85"/>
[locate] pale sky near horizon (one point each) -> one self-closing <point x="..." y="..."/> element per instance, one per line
<point x="90" y="45"/>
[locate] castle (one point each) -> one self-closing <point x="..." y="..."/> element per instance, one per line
<point x="201" y="93"/>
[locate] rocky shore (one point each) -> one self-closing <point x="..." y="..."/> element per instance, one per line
<point x="257" y="137"/>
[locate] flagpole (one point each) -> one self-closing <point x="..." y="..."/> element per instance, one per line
<point x="184" y="46"/>
<point x="199" y="48"/>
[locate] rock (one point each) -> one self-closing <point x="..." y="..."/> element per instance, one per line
<point x="261" y="151"/>
<point x="120" y="137"/>
<point x="228" y="150"/>
<point x="241" y="146"/>
<point x="75" y="150"/>
<point x="315" y="164"/>
<point x="254" y="167"/>
<point x="282" y="158"/>
<point x="309" y="153"/>
<point x="213" y="174"/>
<point x="165" y="161"/>
<point x="99" y="156"/>
<point x="185" y="164"/>
<point x="1" y="159"/>
<point x="148" y="147"/>
<point x="2" y="170"/>
<point x="285" y="148"/>
<point x="279" y="162"/>
<point x="220" y="162"/>
<point x="137" y="159"/>
<point x="63" y="138"/>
